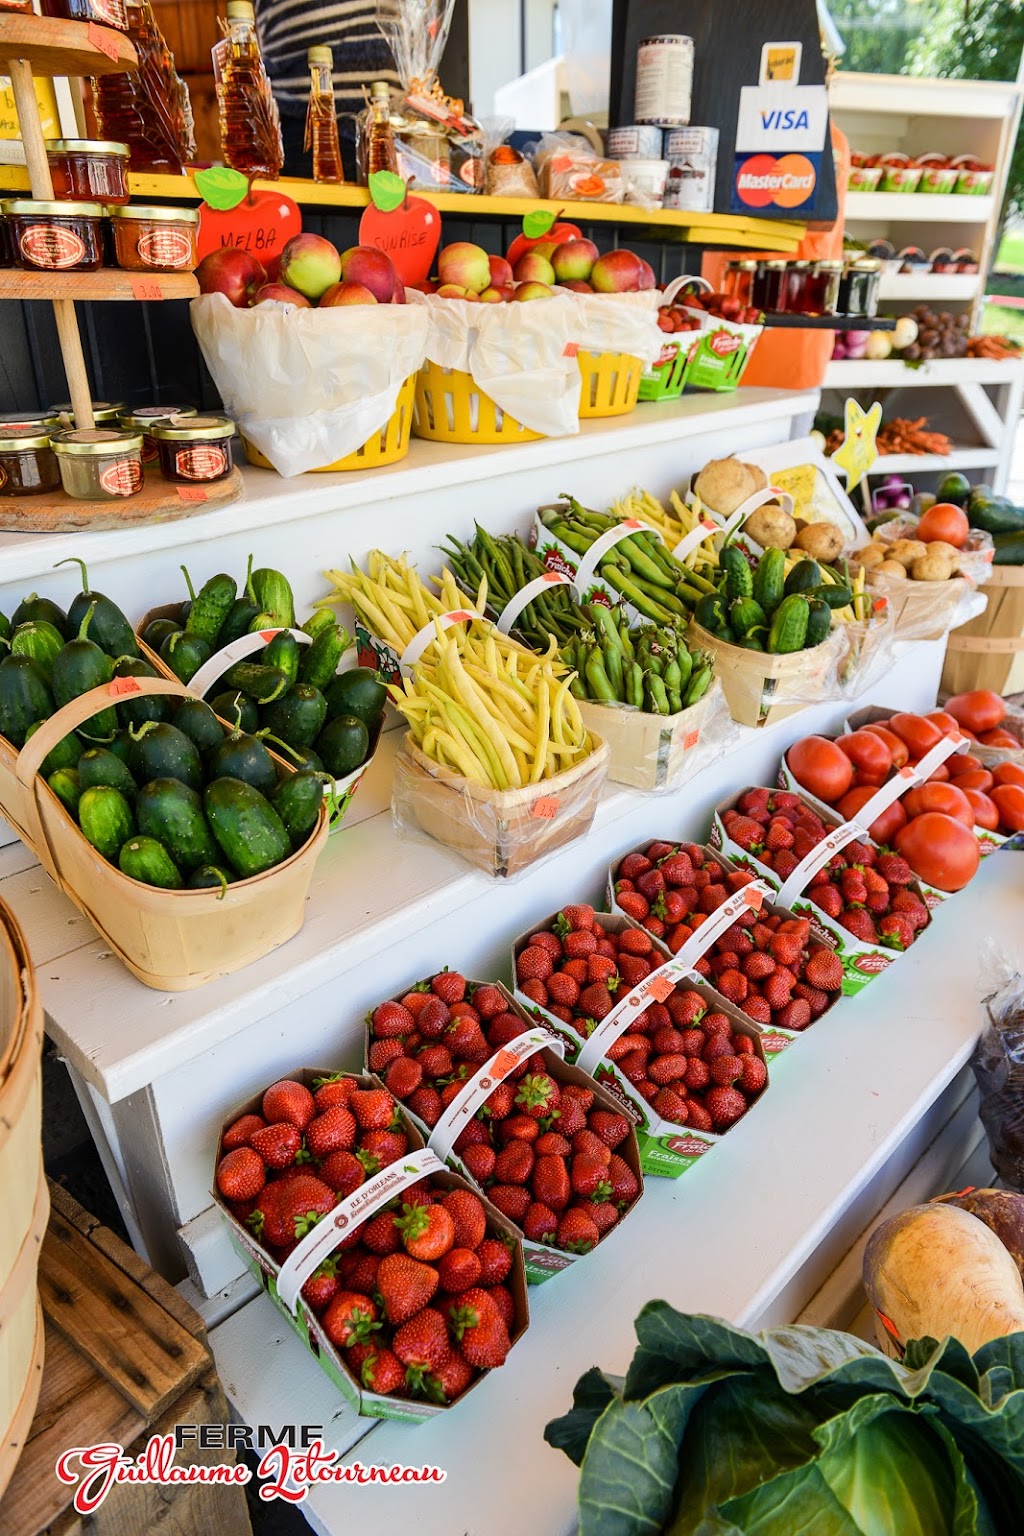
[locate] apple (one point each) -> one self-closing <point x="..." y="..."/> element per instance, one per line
<point x="533" y="268"/>
<point x="398" y="297"/>
<point x="491" y="296"/>
<point x="260" y="223"/>
<point x="465" y="265"/>
<point x="573" y="260"/>
<point x="577" y="285"/>
<point x="273" y="268"/>
<point x="648" y="279"/>
<point x="617" y="272"/>
<point x="373" y="268"/>
<point x="233" y="272"/>
<point x="452" y="291"/>
<point x="501" y="272"/>
<point x="282" y="294"/>
<point x="555" y="236"/>
<point x="311" y="264"/>
<point x="346" y="293"/>
<point x="533" y="290"/>
<point x="428" y="285"/>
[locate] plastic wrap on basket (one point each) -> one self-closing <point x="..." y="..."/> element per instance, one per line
<point x="658" y="753"/>
<point x="928" y="610"/>
<point x="998" y="1065"/>
<point x="869" y="653"/>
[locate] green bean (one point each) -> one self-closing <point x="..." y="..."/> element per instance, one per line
<point x="598" y="683"/>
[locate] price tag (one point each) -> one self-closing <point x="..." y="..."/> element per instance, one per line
<point x="120" y="686"/>
<point x="571" y="349"/>
<point x="690" y="740"/>
<point x="546" y="808"/>
<point x="146" y="288"/>
<point x="103" y="39"/>
<point x="193" y="493"/>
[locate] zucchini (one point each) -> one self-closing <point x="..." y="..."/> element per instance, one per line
<point x="788" y="631"/>
<point x="250" y="833"/>
<point x="770" y="579"/>
<point x="170" y="812"/>
<point x="264" y="684"/>
<point x="98" y="767"/>
<point x="835" y="596"/>
<point x="185" y="654"/>
<point x="994" y="514"/>
<point x="237" y="709"/>
<point x="5" y="627"/>
<point x="200" y="724"/>
<point x="34" y="609"/>
<point x="241" y="756"/>
<point x="64" y="755"/>
<point x="359" y="692"/>
<point x="39" y="640"/>
<point x="744" y="615"/>
<point x="25" y="697"/>
<point x="344" y="745"/>
<point x="146" y="860"/>
<point x="320" y="660"/>
<point x="136" y="711"/>
<point x="739" y="578"/>
<point x="297" y="717"/>
<point x="804" y="575"/>
<point x="157" y="630"/>
<point x="819" y="622"/>
<point x="82" y="665"/>
<point x="161" y="751"/>
<point x="297" y="800"/>
<point x="108" y="627"/>
<point x="272" y="594"/>
<point x="1009" y="549"/>
<point x="210" y="609"/>
<point x="283" y="652"/>
<point x="209" y="877"/>
<point x="105" y="817"/>
<point x="64" y="784"/>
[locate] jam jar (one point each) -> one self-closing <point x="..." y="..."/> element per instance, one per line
<point x="858" y="290"/>
<point x="103" y="413"/>
<point x="739" y="281"/>
<point x="92" y="170"/>
<point x="27" y="463"/>
<point x="194" y="448"/>
<point x="796" y="296"/>
<point x="101" y="464"/>
<point x="108" y="13"/>
<point x="144" y="417"/>
<point x="824" y="289"/>
<point x="152" y="239"/>
<point x="6" y="243"/>
<point x="768" y="281"/>
<point x="56" y="237"/>
<point x="41" y="420"/>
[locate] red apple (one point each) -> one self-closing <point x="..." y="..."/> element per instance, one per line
<point x="527" y="291"/>
<point x="501" y="272"/>
<point x="556" y="235"/>
<point x="311" y="264"/>
<point x="648" y="279"/>
<point x="283" y="294"/>
<point x="452" y="291"/>
<point x="617" y="272"/>
<point x="465" y="265"/>
<point x="428" y="285"/>
<point x="533" y="268"/>
<point x="573" y="260"/>
<point x="346" y="293"/>
<point x="373" y="268"/>
<point x="273" y="268"/>
<point x="576" y="285"/>
<point x="233" y="272"/>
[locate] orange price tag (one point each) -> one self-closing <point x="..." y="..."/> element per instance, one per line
<point x="906" y="773"/>
<point x="122" y="685"/>
<point x="267" y="634"/>
<point x="546" y="808"/>
<point x="660" y="988"/>
<point x="146" y="288"/>
<point x="192" y="493"/>
<point x="753" y="898"/>
<point x="503" y="1062"/>
<point x="690" y="740"/>
<point x="571" y="349"/>
<point x="104" y="40"/>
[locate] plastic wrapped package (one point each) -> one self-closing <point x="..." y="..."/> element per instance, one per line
<point x="869" y="652"/>
<point x="438" y="144"/>
<point x="998" y="1065"/>
<point x="658" y="753"/>
<point x="508" y="173"/>
<point x="501" y="832"/>
<point x="928" y="610"/>
<point x="570" y="169"/>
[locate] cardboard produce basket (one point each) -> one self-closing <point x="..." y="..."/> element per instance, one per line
<point x="170" y="940"/>
<point x="761" y="689"/>
<point x="652" y="752"/>
<point x="988" y="652"/>
<point x="921" y="610"/>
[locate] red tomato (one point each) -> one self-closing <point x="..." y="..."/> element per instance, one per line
<point x="867" y="752"/>
<point x="963" y="762"/>
<point x="999" y="738"/>
<point x="970" y="736"/>
<point x="939" y="850"/>
<point x="919" y="734"/>
<point x="946" y="522"/>
<point x="939" y="775"/>
<point x="884" y="827"/>
<point x="986" y="812"/>
<point x="945" y="798"/>
<point x="980" y="779"/>
<point x="1008" y="773"/>
<point x="979" y="711"/>
<point x="817" y="764"/>
<point x="1009" y="801"/>
<point x="943" y="720"/>
<point x="898" y="749"/>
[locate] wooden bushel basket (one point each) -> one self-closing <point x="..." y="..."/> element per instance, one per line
<point x="25" y="1200"/>
<point x="752" y="679"/>
<point x="988" y="652"/>
<point x="171" y="940"/>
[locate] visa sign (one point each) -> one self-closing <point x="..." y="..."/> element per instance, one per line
<point x="782" y="119"/>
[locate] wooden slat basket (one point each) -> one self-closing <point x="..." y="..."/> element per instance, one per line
<point x="988" y="652"/>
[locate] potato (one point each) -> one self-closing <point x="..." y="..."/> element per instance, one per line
<point x="891" y="568"/>
<point x="906" y="551"/>
<point x="770" y="527"/>
<point x="871" y="556"/>
<point x="822" y="541"/>
<point x="947" y="551"/>
<point x="723" y="484"/>
<point x="931" y="568"/>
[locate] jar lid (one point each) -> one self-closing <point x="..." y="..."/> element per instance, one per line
<point x="776" y="265"/>
<point x="865" y="264"/>
<point x="177" y="428"/>
<point x="744" y="266"/>
<point x="241" y="8"/>
<point x="797" y="266"/>
<point x="153" y="213"/>
<point x="829" y="266"/>
<point x="24" y="206"/>
<point x="320" y="55"/>
<point x="102" y="410"/>
<point x="85" y="147"/>
<point x="96" y="441"/>
<point x="143" y="416"/>
<point x="15" y="438"/>
<point x="28" y="419"/>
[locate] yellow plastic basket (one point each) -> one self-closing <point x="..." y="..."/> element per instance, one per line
<point x="450" y="409"/>
<point x="387" y="446"/>
<point x="611" y="383"/>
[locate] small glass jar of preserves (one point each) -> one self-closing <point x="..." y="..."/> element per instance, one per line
<point x="27" y="463"/>
<point x="56" y="237"/>
<point x="143" y="419"/>
<point x="103" y="413"/>
<point x="101" y="464"/>
<point x="858" y="289"/>
<point x="6" y="243"/>
<point x="796" y="292"/>
<point x="41" y="420"/>
<point x="108" y="13"/>
<point x="824" y="287"/>
<point x="768" y="284"/>
<point x="90" y="170"/>
<point x="153" y="239"/>
<point x="194" y="448"/>
<point x="739" y="281"/>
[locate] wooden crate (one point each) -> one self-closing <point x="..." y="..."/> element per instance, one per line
<point x="126" y="1358"/>
<point x="988" y="652"/>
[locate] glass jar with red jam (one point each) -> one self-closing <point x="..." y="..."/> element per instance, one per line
<point x="27" y="463"/>
<point x="767" y="287"/>
<point x="796" y="292"/>
<point x="107" y="13"/>
<point x="824" y="287"/>
<point x="739" y="281"/>
<point x="89" y="170"/>
<point x="143" y="419"/>
<point x="55" y="237"/>
<point x="6" y="243"/>
<point x="153" y="239"/>
<point x="99" y="463"/>
<point x="194" y="448"/>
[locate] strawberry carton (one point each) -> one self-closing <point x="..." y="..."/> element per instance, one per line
<point x="644" y="1043"/>
<point x="522" y="1125"/>
<point x="403" y="1282"/>
<point x="775" y="969"/>
<point x="827" y="871"/>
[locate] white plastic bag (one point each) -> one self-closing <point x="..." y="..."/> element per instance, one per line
<point x="619" y="322"/>
<point x="308" y="386"/>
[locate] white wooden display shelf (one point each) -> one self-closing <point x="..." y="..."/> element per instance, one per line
<point x="959" y="458"/>
<point x="930" y="287"/>
<point x="751" y="1236"/>
<point x="891" y="373"/>
<point x="918" y="208"/>
<point x="943" y="99"/>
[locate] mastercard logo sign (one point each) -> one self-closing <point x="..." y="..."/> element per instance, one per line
<point x="783" y="182"/>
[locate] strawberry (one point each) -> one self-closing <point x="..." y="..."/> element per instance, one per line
<point x="686" y="1007"/>
<point x="669" y="1106"/>
<point x="608" y="948"/>
<point x="587" y="1178"/>
<point x="303" y="1201"/>
<point x="595" y="1002"/>
<point x="426" y="1103"/>
<point x="693" y="1042"/>
<point x="632" y="865"/>
<point x="322" y="1286"/>
<point x="778" y="988"/>
<point x="241" y="1174"/>
<point x="536" y="991"/>
<point x="499" y="1104"/>
<point x="421" y="1344"/>
<point x="416" y="999"/>
<point x="896" y="931"/>
<point x="512" y="1200"/>
<point x="830" y="899"/>
<point x="435" y="1060"/>
<point x="795" y="1015"/>
<point x="468" y="1214"/>
<point x="550" y="1182"/>
<point x="894" y="869"/>
<point x="778" y="836"/>
<point x="427" y="1231"/>
<point x="533" y="964"/>
<point x="480" y="1162"/>
<point x="824" y="970"/>
<point x="912" y="907"/>
<point x="380" y="1055"/>
<point x="495" y="1261"/>
<point x="381" y="1148"/>
<point x="624" y="1182"/>
<point x="754" y="1074"/>
<point x="405" y="1286"/>
<point x="725" y="1070"/>
<point x="333" y="1131"/>
<point x="459" y="1269"/>
<point x="390" y="1019"/>
<point x="549" y="941"/>
<point x="538" y="1096"/>
<point x="488" y="1001"/>
<point x="586" y="1144"/>
<point x="860" y="924"/>
<point x="381" y="1235"/>
<point x="725" y="1106"/>
<point x="786" y="948"/>
<point x="519" y="1128"/>
<point x="580" y="915"/>
<point x="374" y="1108"/>
<point x="506" y="1026"/>
<point x="563" y="989"/>
<point x="698" y="1118"/>
<point x="540" y="1223"/>
<point x="350" y="1319"/>
<point x="733" y="985"/>
<point x="241" y="1132"/>
<point x="758" y="1009"/>
<point x="716" y="1024"/>
<point x="577" y="1232"/>
<point x="552" y="1144"/>
<point x="382" y="1372"/>
<point x="817" y="999"/>
<point x="514" y="1163"/>
<point x="433" y="1018"/>
<point x="667" y="1069"/>
<point x="579" y="944"/>
<point x="342" y="1172"/>
<point x="698" y="1075"/>
<point x="853" y="886"/>
<point x="288" y="1100"/>
<point x="402" y="1078"/>
<point x="744" y="831"/>
<point x="449" y="986"/>
<point x="612" y="1128"/>
<point x="633" y="904"/>
<point x="480" y="1330"/>
<point x="758" y="965"/>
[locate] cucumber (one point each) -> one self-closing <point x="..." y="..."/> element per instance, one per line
<point x="185" y="654"/>
<point x="121" y="745"/>
<point x="105" y="817"/>
<point x="320" y="660"/>
<point x="82" y="665"/>
<point x="98" y="766"/>
<point x="250" y="833"/>
<point x="64" y="755"/>
<point x="199" y="723"/>
<point x="241" y="756"/>
<point x="157" y="631"/>
<point x="240" y="616"/>
<point x="161" y="751"/>
<point x="819" y="622"/>
<point x="264" y="684"/>
<point x="745" y="614"/>
<point x="237" y="709"/>
<point x="804" y="575"/>
<point x="39" y="640"/>
<point x="210" y="609"/>
<point x="136" y="711"/>
<point x="320" y="619"/>
<point x="790" y="622"/>
<point x="170" y="812"/>
<point x="108" y="627"/>
<point x="283" y="652"/>
<point x="64" y="784"/>
<point x="297" y="800"/>
<point x="35" y="609"/>
<point x="209" y="877"/>
<point x="299" y="758"/>
<point x="709" y="612"/>
<point x="25" y="697"/>
<point x="5" y="627"/>
<point x="739" y="578"/>
<point x="358" y="692"/>
<point x="344" y="745"/>
<point x="770" y="579"/>
<point x="297" y="717"/>
<point x="146" y="860"/>
<point x="835" y="596"/>
<point x="272" y="594"/>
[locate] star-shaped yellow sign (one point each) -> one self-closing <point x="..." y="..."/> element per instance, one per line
<point x="858" y="451"/>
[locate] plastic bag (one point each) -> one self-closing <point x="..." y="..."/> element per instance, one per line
<point x="619" y="322"/>
<point x="761" y="688"/>
<point x="869" y="653"/>
<point x="501" y="832"/>
<point x="308" y="386"/>
<point x="998" y="1066"/>
<point x="658" y="753"/>
<point x="570" y="168"/>
<point x="437" y="142"/>
<point x="508" y="173"/>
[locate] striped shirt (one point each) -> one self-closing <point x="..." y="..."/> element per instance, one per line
<point x="289" y="28"/>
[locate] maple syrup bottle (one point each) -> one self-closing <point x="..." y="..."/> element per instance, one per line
<point x="148" y="109"/>
<point x="322" y="118"/>
<point x="250" y="128"/>
<point x="376" y="138"/>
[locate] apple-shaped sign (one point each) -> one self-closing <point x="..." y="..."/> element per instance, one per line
<point x="232" y="213"/>
<point x="406" y="228"/>
<point x="544" y="229"/>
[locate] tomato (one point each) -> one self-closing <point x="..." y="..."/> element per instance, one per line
<point x="919" y="734"/>
<point x="939" y="850"/>
<point x="945" y="798"/>
<point x="884" y="827"/>
<point x="986" y="812"/>
<point x="963" y="762"/>
<point x="898" y="749"/>
<point x="980" y="779"/>
<point x="1000" y="738"/>
<point x="946" y="522"/>
<point x="1009" y="801"/>
<point x="817" y="764"/>
<point x="943" y="720"/>
<point x="1008" y="773"/>
<point x="979" y="711"/>
<point x="867" y="752"/>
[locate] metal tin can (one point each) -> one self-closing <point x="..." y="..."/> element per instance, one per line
<point x="692" y="154"/>
<point x="664" y="80"/>
<point x="637" y="142"/>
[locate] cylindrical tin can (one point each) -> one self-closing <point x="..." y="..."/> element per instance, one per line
<point x="664" y="80"/>
<point x="692" y="154"/>
<point x="639" y="141"/>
